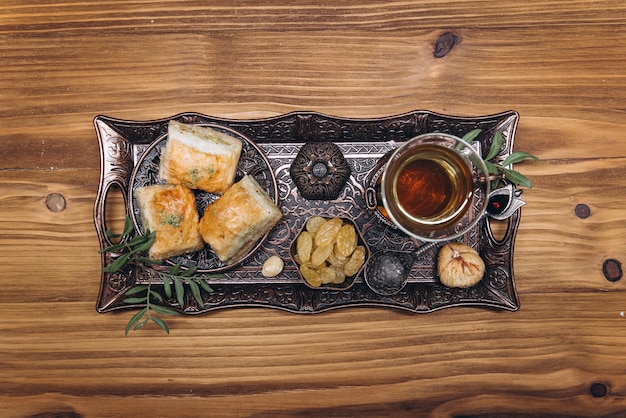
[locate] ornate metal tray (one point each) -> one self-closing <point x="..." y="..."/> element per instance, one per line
<point x="124" y="147"/>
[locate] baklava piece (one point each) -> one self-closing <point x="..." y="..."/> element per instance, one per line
<point x="170" y="211"/>
<point x="234" y="223"/>
<point x="199" y="158"/>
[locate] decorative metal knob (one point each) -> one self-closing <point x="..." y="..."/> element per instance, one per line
<point x="320" y="171"/>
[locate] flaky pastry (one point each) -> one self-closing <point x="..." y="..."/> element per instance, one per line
<point x="170" y="211"/>
<point x="238" y="219"/>
<point x="199" y="157"/>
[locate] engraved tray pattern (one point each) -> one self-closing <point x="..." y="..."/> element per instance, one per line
<point x="363" y="142"/>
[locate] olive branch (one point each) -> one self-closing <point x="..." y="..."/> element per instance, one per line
<point x="500" y="169"/>
<point x="133" y="250"/>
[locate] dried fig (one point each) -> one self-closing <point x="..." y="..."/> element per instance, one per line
<point x="459" y="265"/>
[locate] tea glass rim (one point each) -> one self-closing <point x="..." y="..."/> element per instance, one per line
<point x="476" y="162"/>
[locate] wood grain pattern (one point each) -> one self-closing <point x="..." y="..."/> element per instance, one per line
<point x="560" y="64"/>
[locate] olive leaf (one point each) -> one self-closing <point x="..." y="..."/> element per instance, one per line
<point x="205" y="286"/>
<point x="149" y="309"/>
<point x="132" y="249"/>
<point x="179" y="278"/>
<point x="189" y="272"/>
<point x="128" y="228"/>
<point x="491" y="167"/>
<point x="174" y="269"/>
<point x="156" y="295"/>
<point x="517" y="177"/>
<point x="180" y="291"/>
<point x="471" y="135"/>
<point x="195" y="291"/>
<point x="125" y="243"/>
<point x="164" y="310"/>
<point x="496" y="144"/>
<point x="136" y="289"/>
<point x="160" y="323"/>
<point x="141" y="324"/>
<point x="145" y="246"/>
<point x="135" y="318"/>
<point x="135" y="300"/>
<point x="134" y="246"/>
<point x="517" y="157"/>
<point x="167" y="287"/>
<point x="511" y="175"/>
<point x="117" y="265"/>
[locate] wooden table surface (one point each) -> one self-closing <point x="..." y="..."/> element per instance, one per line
<point x="560" y="64"/>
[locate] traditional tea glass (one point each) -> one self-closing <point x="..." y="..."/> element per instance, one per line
<point x="434" y="187"/>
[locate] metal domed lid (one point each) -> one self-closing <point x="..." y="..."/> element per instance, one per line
<point x="320" y="171"/>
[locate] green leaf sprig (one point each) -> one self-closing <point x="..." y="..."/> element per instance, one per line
<point x="179" y="279"/>
<point x="500" y="169"/>
<point x="150" y="296"/>
<point x="137" y="321"/>
<point x="130" y="247"/>
<point x="133" y="249"/>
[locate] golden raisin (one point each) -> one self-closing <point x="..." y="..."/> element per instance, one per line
<point x="346" y="240"/>
<point x="313" y="224"/>
<point x="327" y="251"/>
<point x="328" y="275"/>
<point x="327" y="233"/>
<point x="311" y="276"/>
<point x="356" y="261"/>
<point x="304" y="246"/>
<point x="320" y="254"/>
<point x="341" y="275"/>
<point x="337" y="261"/>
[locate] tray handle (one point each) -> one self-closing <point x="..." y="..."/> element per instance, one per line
<point x="116" y="162"/>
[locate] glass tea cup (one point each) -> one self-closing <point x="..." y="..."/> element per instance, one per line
<point x="434" y="187"/>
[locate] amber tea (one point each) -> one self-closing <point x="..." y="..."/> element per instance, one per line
<point x="433" y="186"/>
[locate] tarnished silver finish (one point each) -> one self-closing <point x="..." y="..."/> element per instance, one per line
<point x="362" y="142"/>
<point x="504" y="202"/>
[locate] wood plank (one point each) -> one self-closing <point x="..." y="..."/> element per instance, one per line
<point x="561" y="349"/>
<point x="347" y="74"/>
